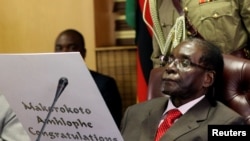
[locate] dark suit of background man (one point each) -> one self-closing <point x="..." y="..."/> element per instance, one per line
<point x="71" y="40"/>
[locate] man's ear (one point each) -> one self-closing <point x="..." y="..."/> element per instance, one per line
<point x="209" y="78"/>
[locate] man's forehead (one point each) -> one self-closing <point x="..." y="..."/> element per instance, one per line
<point x="67" y="39"/>
<point x="188" y="49"/>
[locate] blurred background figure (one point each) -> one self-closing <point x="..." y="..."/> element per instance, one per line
<point x="11" y="129"/>
<point x="71" y="40"/>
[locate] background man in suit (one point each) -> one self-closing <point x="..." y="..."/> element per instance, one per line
<point x="11" y="128"/>
<point x="192" y="71"/>
<point x="71" y="40"/>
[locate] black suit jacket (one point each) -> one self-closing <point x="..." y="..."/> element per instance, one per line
<point x="110" y="93"/>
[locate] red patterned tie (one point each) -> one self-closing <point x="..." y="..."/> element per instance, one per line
<point x="171" y="116"/>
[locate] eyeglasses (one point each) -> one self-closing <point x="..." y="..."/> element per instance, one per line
<point x="181" y="63"/>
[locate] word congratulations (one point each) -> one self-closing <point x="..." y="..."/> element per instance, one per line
<point x="72" y="136"/>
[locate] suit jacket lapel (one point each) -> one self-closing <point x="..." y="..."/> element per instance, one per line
<point x="189" y="121"/>
<point x="150" y="124"/>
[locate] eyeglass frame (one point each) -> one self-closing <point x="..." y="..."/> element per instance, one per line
<point x="178" y="64"/>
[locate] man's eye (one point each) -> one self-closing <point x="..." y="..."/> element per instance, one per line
<point x="185" y="63"/>
<point x="74" y="48"/>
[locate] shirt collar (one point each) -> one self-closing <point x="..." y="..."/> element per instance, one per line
<point x="183" y="108"/>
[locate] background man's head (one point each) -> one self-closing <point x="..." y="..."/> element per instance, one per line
<point x="70" y="40"/>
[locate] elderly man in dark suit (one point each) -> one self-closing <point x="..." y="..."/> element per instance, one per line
<point x="192" y="71"/>
<point x="71" y="40"/>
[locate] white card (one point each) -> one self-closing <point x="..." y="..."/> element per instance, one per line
<point x="29" y="82"/>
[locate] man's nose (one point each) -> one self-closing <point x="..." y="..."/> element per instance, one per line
<point x="171" y="67"/>
<point x="172" y="64"/>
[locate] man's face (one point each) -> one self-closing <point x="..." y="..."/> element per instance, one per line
<point x="67" y="43"/>
<point x="184" y="76"/>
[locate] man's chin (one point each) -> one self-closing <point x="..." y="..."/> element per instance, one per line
<point x="167" y="92"/>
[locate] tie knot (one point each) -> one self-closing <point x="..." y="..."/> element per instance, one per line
<point x="174" y="112"/>
<point x="172" y="115"/>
